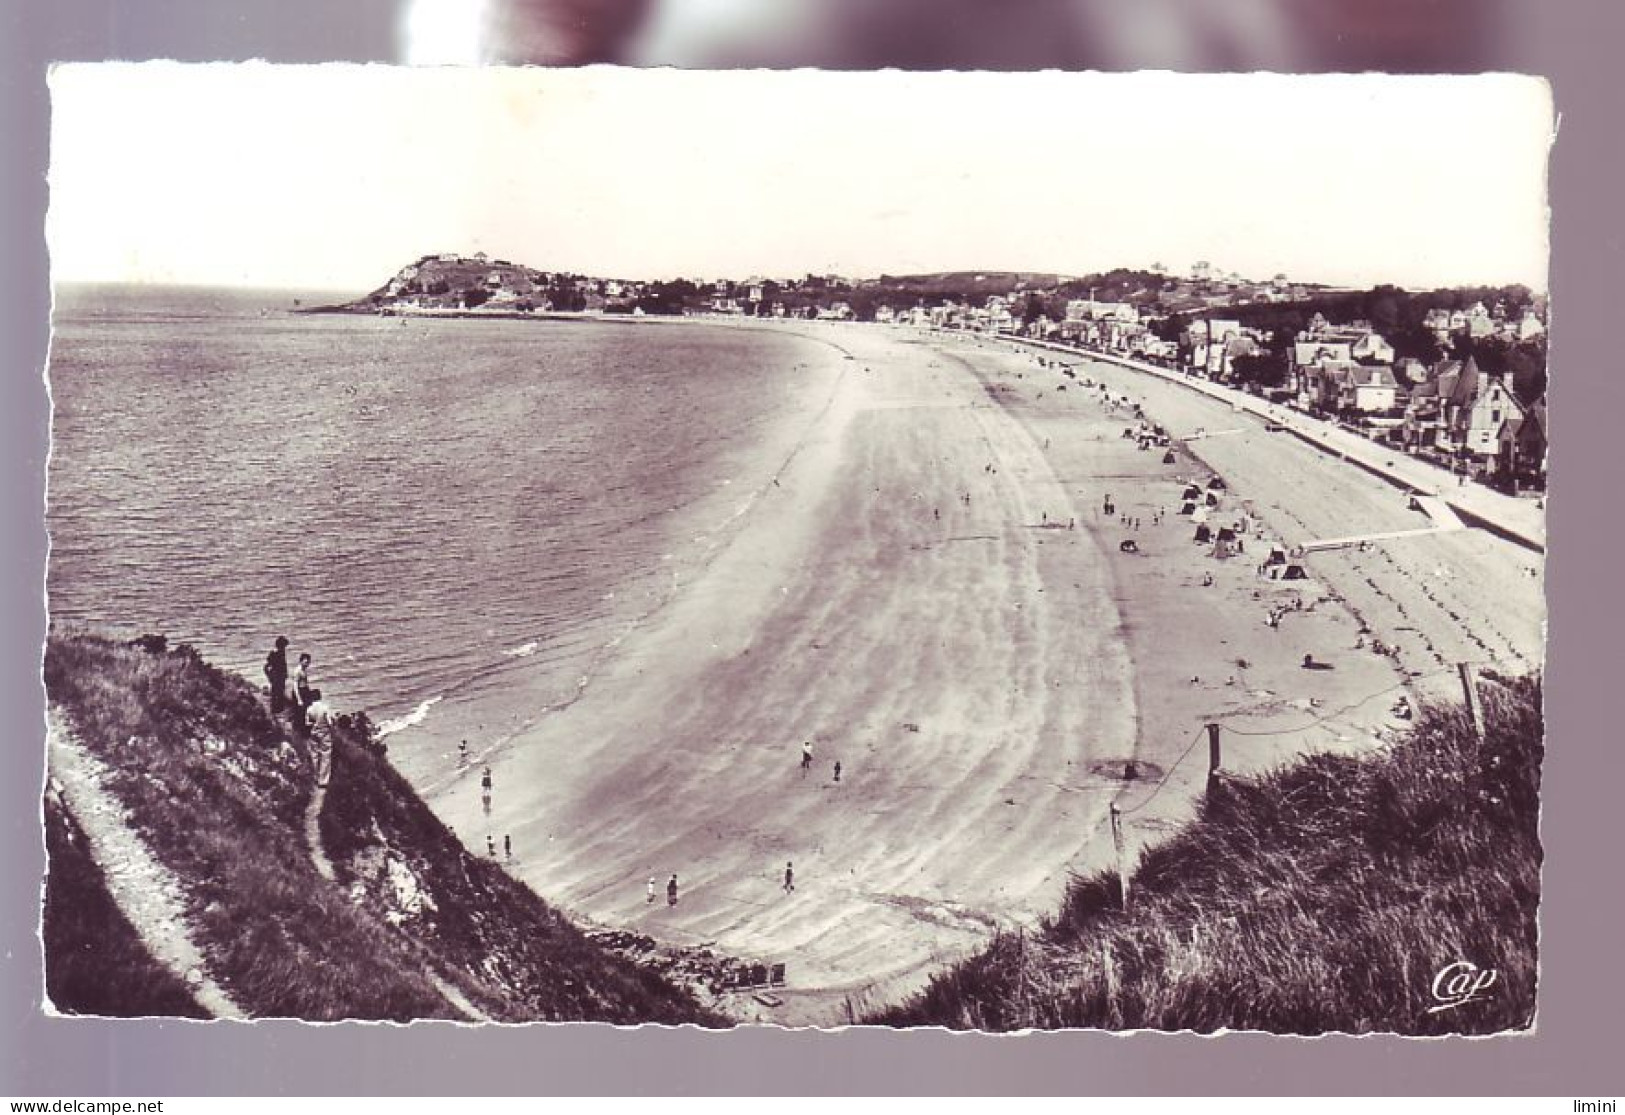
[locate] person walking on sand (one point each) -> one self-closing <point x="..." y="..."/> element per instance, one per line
<point x="806" y="758"/>
<point x="671" y="890"/>
<point x="319" y="725"/>
<point x="276" y="672"/>
<point x="789" y="877"/>
<point x="462" y="754"/>
<point x="507" y="846"/>
<point x="837" y="770"/>
<point x="490" y="846"/>
<point x="650" y="891"/>
<point x="485" y="789"/>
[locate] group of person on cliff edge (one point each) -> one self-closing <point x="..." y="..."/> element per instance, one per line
<point x="308" y="714"/>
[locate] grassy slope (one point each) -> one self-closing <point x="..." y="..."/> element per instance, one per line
<point x="219" y="796"/>
<point x="1323" y="897"/>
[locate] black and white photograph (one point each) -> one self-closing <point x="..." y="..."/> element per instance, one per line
<point x="994" y="551"/>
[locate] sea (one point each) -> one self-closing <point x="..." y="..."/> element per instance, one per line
<point x="458" y="519"/>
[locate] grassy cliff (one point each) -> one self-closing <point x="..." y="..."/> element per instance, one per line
<point x="1323" y="897"/>
<point x="390" y="919"/>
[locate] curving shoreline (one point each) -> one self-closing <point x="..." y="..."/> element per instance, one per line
<point x="975" y="667"/>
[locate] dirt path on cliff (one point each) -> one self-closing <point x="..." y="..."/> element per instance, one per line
<point x="147" y="894"/>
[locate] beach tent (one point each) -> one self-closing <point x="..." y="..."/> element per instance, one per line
<point x="1293" y="573"/>
<point x="1217" y="483"/>
<point x="1187" y="508"/>
<point x="1226" y="534"/>
<point x="1212" y="500"/>
<point x="1192" y="492"/>
<point x="1277" y="556"/>
<point x="1223" y="548"/>
<point x="1203" y="533"/>
<point x="1168" y="457"/>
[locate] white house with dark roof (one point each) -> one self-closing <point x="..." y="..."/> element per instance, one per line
<point x="1461" y="411"/>
<point x="1372" y="348"/>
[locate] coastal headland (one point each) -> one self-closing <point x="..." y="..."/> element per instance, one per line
<point x="932" y="592"/>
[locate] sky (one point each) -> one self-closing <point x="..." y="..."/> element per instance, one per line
<point x="334" y="177"/>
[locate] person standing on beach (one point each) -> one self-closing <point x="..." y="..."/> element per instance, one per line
<point x="462" y="754"/>
<point x="319" y="724"/>
<point x="490" y="846"/>
<point x="837" y="770"/>
<point x="671" y="890"/>
<point x="650" y="889"/>
<point x="789" y="878"/>
<point x="276" y="672"/>
<point x="485" y="789"/>
<point x="507" y="846"/>
<point x="806" y="758"/>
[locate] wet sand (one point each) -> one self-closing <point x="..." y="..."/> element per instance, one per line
<point x="931" y="594"/>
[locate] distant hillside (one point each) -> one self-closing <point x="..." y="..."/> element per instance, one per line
<point x="455" y="282"/>
<point x="1325" y="897"/>
<point x="386" y="917"/>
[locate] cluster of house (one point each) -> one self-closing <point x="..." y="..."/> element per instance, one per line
<point x="1478" y="322"/>
<point x="1451" y="409"/>
<point x="756" y="298"/>
<point x="1113" y="326"/>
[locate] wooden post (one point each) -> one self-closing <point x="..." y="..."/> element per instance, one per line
<point x="1122" y="854"/>
<point x="1469" y="690"/>
<point x="1215" y="759"/>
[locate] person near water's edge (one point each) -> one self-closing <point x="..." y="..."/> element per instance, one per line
<point x="303" y="694"/>
<point x="319" y="726"/>
<point x="650" y="890"/>
<point x="276" y="672"/>
<point x="671" y="890"/>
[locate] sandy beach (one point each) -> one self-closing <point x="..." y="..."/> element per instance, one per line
<point x="931" y="593"/>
